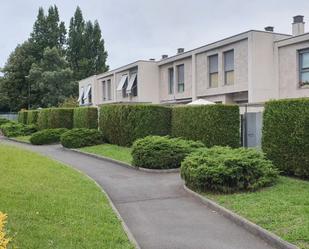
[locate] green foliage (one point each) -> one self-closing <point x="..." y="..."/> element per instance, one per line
<point x="86" y="52"/>
<point x="286" y="135"/>
<point x="51" y="118"/>
<point x="14" y="129"/>
<point x="157" y="152"/>
<point x="47" y="136"/>
<point x="86" y="117"/>
<point x="80" y="137"/>
<point x="4" y="121"/>
<point x="32" y="117"/>
<point x="211" y="124"/>
<point x="22" y="117"/>
<point x="123" y="124"/>
<point x="70" y="102"/>
<point x="226" y="170"/>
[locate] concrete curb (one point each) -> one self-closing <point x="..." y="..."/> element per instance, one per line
<point x="158" y="171"/>
<point x="15" y="140"/>
<point x="254" y="229"/>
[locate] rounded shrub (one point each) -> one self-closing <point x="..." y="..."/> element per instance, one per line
<point x="156" y="152"/>
<point x="4" y="121"/>
<point x="226" y="170"/>
<point x="47" y="136"/>
<point x="80" y="137"/>
<point x="14" y="129"/>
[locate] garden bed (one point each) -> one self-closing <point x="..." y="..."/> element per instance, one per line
<point x="281" y="209"/>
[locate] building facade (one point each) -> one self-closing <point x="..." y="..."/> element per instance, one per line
<point x="251" y="67"/>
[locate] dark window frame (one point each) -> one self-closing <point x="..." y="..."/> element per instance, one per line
<point x="180" y="84"/>
<point x="225" y="66"/>
<point x="171" y="80"/>
<point x="210" y="72"/>
<point x="302" y="69"/>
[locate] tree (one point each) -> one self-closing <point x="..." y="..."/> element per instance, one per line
<point x="52" y="78"/>
<point x="86" y="51"/>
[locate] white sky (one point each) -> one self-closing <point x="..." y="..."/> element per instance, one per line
<point x="143" y="29"/>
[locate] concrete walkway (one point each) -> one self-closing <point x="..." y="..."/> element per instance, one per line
<point x="157" y="210"/>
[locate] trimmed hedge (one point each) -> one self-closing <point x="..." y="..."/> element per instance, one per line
<point x="47" y="136"/>
<point x="14" y="129"/>
<point x="123" y="124"/>
<point x="286" y="135"/>
<point x="52" y="118"/>
<point x="22" y="117"/>
<point x="32" y="117"/>
<point x="211" y="124"/>
<point x="155" y="152"/>
<point x="80" y="137"/>
<point x="85" y="117"/>
<point x="226" y="170"/>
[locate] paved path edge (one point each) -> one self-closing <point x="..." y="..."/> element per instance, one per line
<point x="256" y="230"/>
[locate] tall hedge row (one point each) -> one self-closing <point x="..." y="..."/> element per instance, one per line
<point x="22" y="117"/>
<point x="211" y="124"/>
<point x="32" y="116"/>
<point x="123" y="124"/>
<point x="85" y="117"/>
<point x="55" y="118"/>
<point x="286" y="135"/>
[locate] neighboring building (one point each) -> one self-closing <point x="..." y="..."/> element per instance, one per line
<point x="250" y="67"/>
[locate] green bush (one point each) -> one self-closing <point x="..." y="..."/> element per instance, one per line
<point x="14" y="129"/>
<point x="22" y="117"/>
<point x="123" y="124"/>
<point x="285" y="138"/>
<point x="32" y="117"/>
<point x="80" y="137"/>
<point x="47" y="136"/>
<point x="52" y="118"/>
<point x="85" y="117"/>
<point x="4" y="121"/>
<point x="157" y="152"/>
<point x="211" y="124"/>
<point x="226" y="170"/>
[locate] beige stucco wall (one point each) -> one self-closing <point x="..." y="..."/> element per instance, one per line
<point x="94" y="88"/>
<point x="289" y="71"/>
<point x="240" y="70"/>
<point x="163" y="80"/>
<point x="100" y="96"/>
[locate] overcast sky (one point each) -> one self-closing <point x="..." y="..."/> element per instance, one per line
<point x="143" y="29"/>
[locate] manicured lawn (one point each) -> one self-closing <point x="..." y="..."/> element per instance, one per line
<point x="116" y="152"/>
<point x="50" y="205"/>
<point x="282" y="209"/>
<point x="23" y="138"/>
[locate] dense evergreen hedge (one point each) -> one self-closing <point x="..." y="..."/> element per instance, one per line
<point x="81" y="137"/>
<point x="14" y="129"/>
<point x="85" y="117"/>
<point x="22" y="117"/>
<point x="47" y="136"/>
<point x="55" y="118"/>
<point x="32" y="116"/>
<point x="211" y="124"/>
<point x="286" y="135"/>
<point x="123" y="124"/>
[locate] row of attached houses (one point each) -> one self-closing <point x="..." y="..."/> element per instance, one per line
<point x="251" y="67"/>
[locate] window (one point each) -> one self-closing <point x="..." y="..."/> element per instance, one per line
<point x="171" y="80"/>
<point x="304" y="67"/>
<point x="109" y="90"/>
<point x="104" y="90"/>
<point x="81" y="96"/>
<point x="213" y="70"/>
<point x="229" y="67"/>
<point x="88" y="95"/>
<point x="181" y="78"/>
<point x="132" y="85"/>
<point x="123" y="84"/>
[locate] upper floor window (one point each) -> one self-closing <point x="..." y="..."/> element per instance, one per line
<point x="104" y="90"/>
<point x="304" y="67"/>
<point x="88" y="94"/>
<point x="213" y="70"/>
<point x="81" y="96"/>
<point x="171" y="80"/>
<point x="109" y="89"/>
<point x="132" y="85"/>
<point x="123" y="84"/>
<point x="181" y="78"/>
<point x="229" y="67"/>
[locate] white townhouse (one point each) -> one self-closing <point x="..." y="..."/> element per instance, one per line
<point x="250" y="67"/>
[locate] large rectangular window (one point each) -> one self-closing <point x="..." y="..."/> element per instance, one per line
<point x="304" y="67"/>
<point x="229" y="67"/>
<point x="213" y="70"/>
<point x="181" y="78"/>
<point x="109" y="90"/>
<point x="104" y="90"/>
<point x="171" y="80"/>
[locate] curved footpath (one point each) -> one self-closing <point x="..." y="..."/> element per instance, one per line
<point x="155" y="207"/>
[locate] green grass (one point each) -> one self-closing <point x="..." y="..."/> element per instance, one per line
<point x="23" y="139"/>
<point x="282" y="209"/>
<point x="50" y="205"/>
<point x="116" y="152"/>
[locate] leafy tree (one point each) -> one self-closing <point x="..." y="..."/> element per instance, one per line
<point x="69" y="102"/>
<point x="52" y="78"/>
